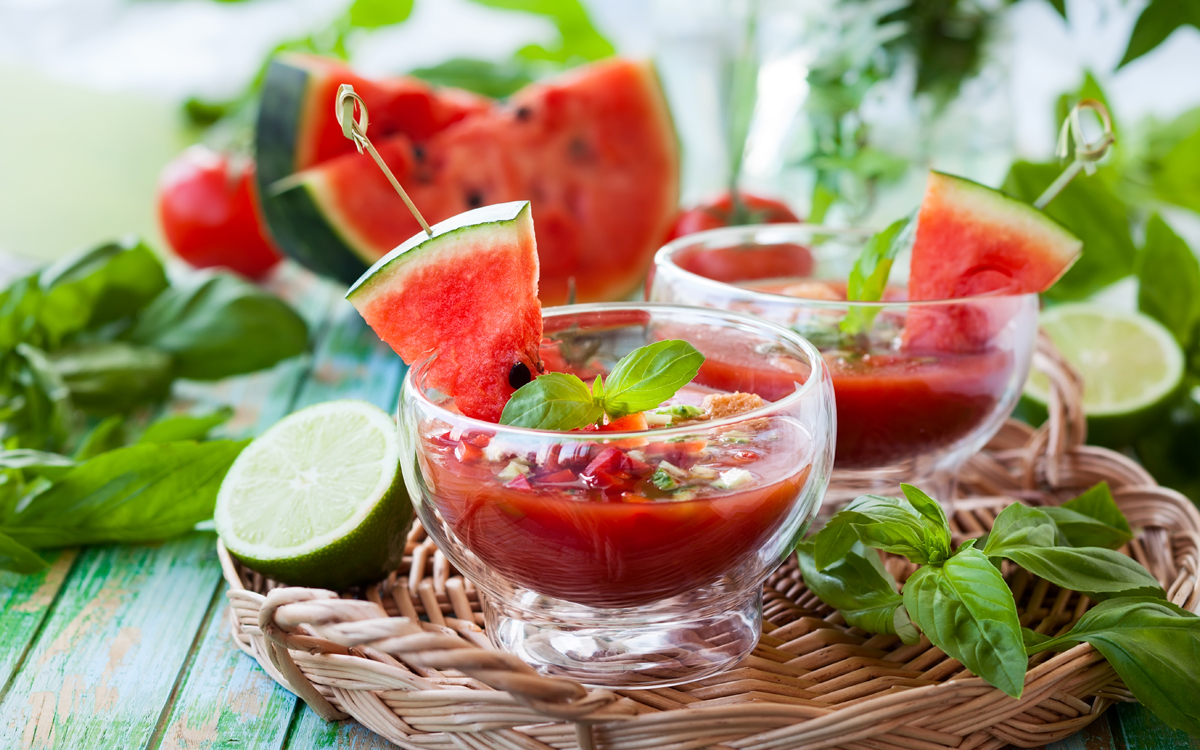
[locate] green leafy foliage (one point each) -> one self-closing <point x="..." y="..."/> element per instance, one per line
<point x="967" y="610"/>
<point x="1028" y="537"/>
<point x="134" y="494"/>
<point x="1091" y="211"/>
<point x="1153" y="645"/>
<point x="861" y="589"/>
<point x="1169" y="281"/>
<point x="1091" y="520"/>
<point x="104" y="333"/>
<point x="641" y="380"/>
<point x="371" y="14"/>
<point x="887" y="523"/>
<point x="219" y="326"/>
<point x="1157" y="22"/>
<point x="869" y="277"/>
<point x="174" y="427"/>
<point x="580" y="41"/>
<point x="494" y="79"/>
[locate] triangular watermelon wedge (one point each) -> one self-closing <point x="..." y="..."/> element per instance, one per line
<point x="973" y="241"/>
<point x="467" y="296"/>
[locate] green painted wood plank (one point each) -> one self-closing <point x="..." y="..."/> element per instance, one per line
<point x="26" y="601"/>
<point x="111" y="649"/>
<point x="1140" y="730"/>
<point x="227" y="700"/>
<point x="1096" y="736"/>
<point x="311" y="732"/>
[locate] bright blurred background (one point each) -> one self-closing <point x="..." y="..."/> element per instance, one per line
<point x="856" y="97"/>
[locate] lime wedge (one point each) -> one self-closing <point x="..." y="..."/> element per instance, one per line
<point x="318" y="499"/>
<point x="1131" y="367"/>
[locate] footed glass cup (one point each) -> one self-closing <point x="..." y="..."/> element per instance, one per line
<point x="590" y="567"/>
<point x="920" y="386"/>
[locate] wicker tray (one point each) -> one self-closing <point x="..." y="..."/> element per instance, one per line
<point x="408" y="657"/>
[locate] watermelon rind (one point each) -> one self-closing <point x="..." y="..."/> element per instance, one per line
<point x="422" y="248"/>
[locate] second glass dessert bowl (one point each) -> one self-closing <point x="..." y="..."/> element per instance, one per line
<point x="630" y="559"/>
<point x="920" y="386"/>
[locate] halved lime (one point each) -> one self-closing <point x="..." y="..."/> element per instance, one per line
<point x="1131" y="367"/>
<point x="318" y="499"/>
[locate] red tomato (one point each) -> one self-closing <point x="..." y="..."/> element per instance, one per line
<point x="208" y="209"/>
<point x="721" y="212"/>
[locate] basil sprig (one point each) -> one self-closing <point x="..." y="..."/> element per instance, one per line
<point x="641" y="380"/>
<point x="869" y="277"/>
<point x="961" y="602"/>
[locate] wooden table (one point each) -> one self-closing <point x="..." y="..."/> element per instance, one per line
<point x="129" y="647"/>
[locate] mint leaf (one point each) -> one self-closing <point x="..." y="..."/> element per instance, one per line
<point x="861" y="589"/>
<point x="1092" y="520"/>
<point x="1169" y="281"/>
<point x="650" y="375"/>
<point x="554" y="401"/>
<point x="967" y="610"/>
<point x="869" y="277"/>
<point x="1154" y="646"/>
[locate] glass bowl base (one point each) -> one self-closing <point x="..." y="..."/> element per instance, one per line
<point x="630" y="650"/>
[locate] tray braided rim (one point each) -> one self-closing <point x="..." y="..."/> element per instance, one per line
<point x="408" y="657"/>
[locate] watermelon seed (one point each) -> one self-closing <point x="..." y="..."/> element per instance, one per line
<point x="474" y="199"/>
<point x="524" y="113"/>
<point x="519" y="375"/>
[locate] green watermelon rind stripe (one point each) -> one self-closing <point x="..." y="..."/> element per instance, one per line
<point x="996" y="203"/>
<point x="313" y="238"/>
<point x="421" y="250"/>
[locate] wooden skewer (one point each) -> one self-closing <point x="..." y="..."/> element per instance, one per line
<point x="356" y="130"/>
<point x="1086" y="154"/>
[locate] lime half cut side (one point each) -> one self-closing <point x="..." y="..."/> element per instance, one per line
<point x="1131" y="367"/>
<point x="318" y="500"/>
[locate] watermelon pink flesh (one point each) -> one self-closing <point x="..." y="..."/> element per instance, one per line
<point x="468" y="297"/>
<point x="594" y="151"/>
<point x="973" y="241"/>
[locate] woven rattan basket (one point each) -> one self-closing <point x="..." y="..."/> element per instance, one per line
<point x="408" y="658"/>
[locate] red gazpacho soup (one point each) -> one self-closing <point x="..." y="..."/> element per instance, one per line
<point x="623" y="521"/>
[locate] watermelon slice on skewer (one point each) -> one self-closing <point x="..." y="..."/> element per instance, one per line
<point x="467" y="297"/>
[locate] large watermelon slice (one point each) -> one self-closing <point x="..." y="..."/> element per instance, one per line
<point x="594" y="151"/>
<point x="468" y="297"/>
<point x="974" y="241"/>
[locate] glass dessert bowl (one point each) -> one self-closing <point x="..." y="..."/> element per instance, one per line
<point x="631" y="559"/>
<point x="920" y="386"/>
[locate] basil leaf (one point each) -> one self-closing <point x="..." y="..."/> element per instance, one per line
<point x="1154" y="646"/>
<point x="1092" y="519"/>
<point x="16" y="556"/>
<point x="966" y="609"/>
<point x="1169" y="281"/>
<point x="139" y="493"/>
<point x="107" y="435"/>
<point x="1174" y="174"/>
<point x="219" y="326"/>
<point x="869" y="277"/>
<point x="113" y="377"/>
<point x="650" y="375"/>
<point x="1032" y="639"/>
<point x="184" y="426"/>
<point x="47" y="411"/>
<point x="861" y="589"/>
<point x="886" y="523"/>
<point x="1019" y="525"/>
<point x="937" y="529"/>
<point x="99" y="286"/>
<point x="1097" y="572"/>
<point x="554" y="401"/>
<point x="580" y="41"/>
<point x="1090" y="210"/>
<point x="37" y="463"/>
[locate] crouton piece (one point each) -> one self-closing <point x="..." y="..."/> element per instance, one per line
<point x="721" y="405"/>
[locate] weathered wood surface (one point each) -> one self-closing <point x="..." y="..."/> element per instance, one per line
<point x="129" y="647"/>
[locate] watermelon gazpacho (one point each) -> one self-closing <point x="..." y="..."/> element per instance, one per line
<point x="593" y="150"/>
